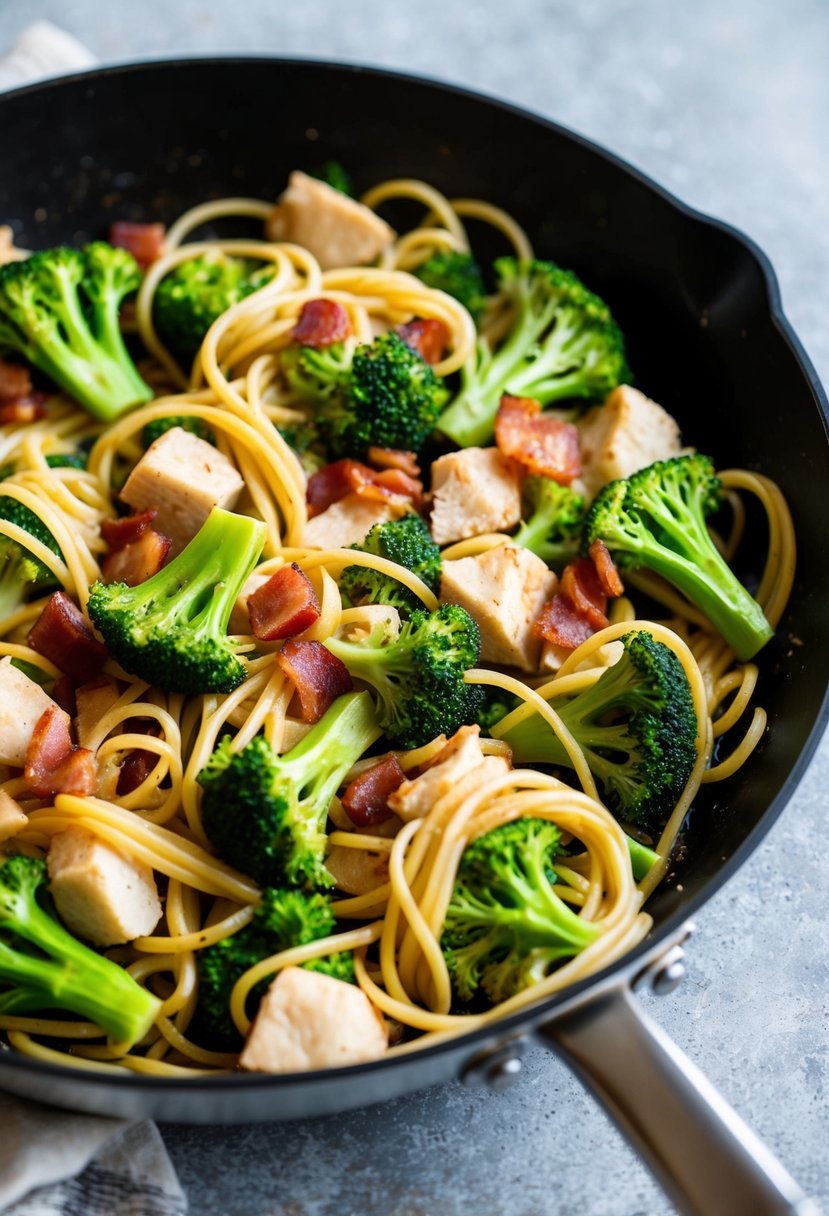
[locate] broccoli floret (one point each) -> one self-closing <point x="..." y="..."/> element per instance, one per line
<point x="459" y="275"/>
<point x="336" y="176"/>
<point x="196" y="292"/>
<point x="266" y="814"/>
<point x="283" y="919"/>
<point x="636" y="726"/>
<point x="556" y="517"/>
<point x="563" y="344"/>
<point x="656" y="519"/>
<point x="381" y="394"/>
<point x="305" y="440"/>
<point x="172" y="629"/>
<point x="406" y="541"/>
<point x="505" y="928"/>
<point x="59" y="309"/>
<point x="21" y="573"/>
<point x="160" y="426"/>
<point x="43" y="967"/>
<point x="495" y="705"/>
<point x="418" y="679"/>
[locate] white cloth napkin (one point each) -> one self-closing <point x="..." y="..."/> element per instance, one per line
<point x="53" y="1162"/>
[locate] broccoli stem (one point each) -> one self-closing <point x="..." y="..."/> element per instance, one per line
<point x="642" y="859"/>
<point x="318" y="763"/>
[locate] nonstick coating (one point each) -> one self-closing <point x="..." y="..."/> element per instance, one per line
<point x="706" y="338"/>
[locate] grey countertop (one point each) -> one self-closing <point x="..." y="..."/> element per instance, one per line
<point x="728" y="106"/>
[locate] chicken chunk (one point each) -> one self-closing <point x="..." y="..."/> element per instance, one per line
<point x="13" y="818"/>
<point x="348" y="521"/>
<point x="474" y="491"/>
<point x="8" y="250"/>
<point x="308" y="1020"/>
<point x="336" y="229"/>
<point x="22" y="702"/>
<point x="92" y="701"/>
<point x="504" y="589"/>
<point x="184" y="478"/>
<point x="626" y="434"/>
<point x="101" y="895"/>
<point x="461" y="756"/>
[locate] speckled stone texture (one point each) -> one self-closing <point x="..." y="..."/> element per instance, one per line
<point x="727" y="105"/>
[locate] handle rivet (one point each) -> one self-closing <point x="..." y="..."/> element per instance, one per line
<point x="668" y="978"/>
<point x="502" y="1074"/>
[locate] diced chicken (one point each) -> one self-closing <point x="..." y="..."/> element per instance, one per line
<point x="22" y="703"/>
<point x="8" y="250"/>
<point x="92" y="701"/>
<point x="348" y="521"/>
<point x="183" y="477"/>
<point x="474" y="491"/>
<point x="461" y="756"/>
<point x="336" y="229"/>
<point x="101" y="895"/>
<point x="356" y="871"/>
<point x="13" y="818"/>
<point x="504" y="589"/>
<point x="626" y="434"/>
<point x="308" y="1020"/>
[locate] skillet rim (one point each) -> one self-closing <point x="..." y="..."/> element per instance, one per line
<point x="506" y="1027"/>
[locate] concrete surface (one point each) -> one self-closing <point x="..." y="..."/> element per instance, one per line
<point x="727" y="105"/>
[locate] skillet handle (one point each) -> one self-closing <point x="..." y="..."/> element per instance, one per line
<point x="708" y="1161"/>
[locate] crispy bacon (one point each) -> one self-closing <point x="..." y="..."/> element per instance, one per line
<point x="344" y="477"/>
<point x="63" y="635"/>
<point x="53" y="765"/>
<point x="609" y="579"/>
<point x="427" y="336"/>
<point x="394" y="458"/>
<point x="30" y="408"/>
<point x="15" y="381"/>
<point x="580" y="585"/>
<point x="545" y="446"/>
<point x="138" y="560"/>
<point x="322" y="323"/>
<point x="284" y="606"/>
<point x="318" y="676"/>
<point x="120" y="532"/>
<point x="559" y="622"/>
<point x="366" y="797"/>
<point x="144" y="241"/>
<point x="139" y="763"/>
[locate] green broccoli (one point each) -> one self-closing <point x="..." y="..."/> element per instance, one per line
<point x="419" y="678"/>
<point x="59" y="309"/>
<point x="505" y="927"/>
<point x="188" y="422"/>
<point x="495" y="705"/>
<point x="563" y="344"/>
<point x="336" y="176"/>
<point x="636" y="726"/>
<point x="406" y="541"/>
<point x="58" y="460"/>
<point x="381" y="394"/>
<point x="172" y="629"/>
<point x="656" y="519"/>
<point x="266" y="814"/>
<point x="196" y="292"/>
<point x="304" y="438"/>
<point x="21" y="573"/>
<point x="283" y="919"/>
<point x="43" y="967"/>
<point x="553" y="529"/>
<point x="459" y="275"/>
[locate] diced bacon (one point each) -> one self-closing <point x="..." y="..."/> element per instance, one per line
<point x="344" y="477"/>
<point x="63" y="693"/>
<point x="394" y="484"/>
<point x="329" y="485"/>
<point x="580" y="585"/>
<point x="560" y="623"/>
<point x="318" y="676"/>
<point x="62" y="634"/>
<point x="427" y="336"/>
<point x="609" y="579"/>
<point x="284" y="606"/>
<point x="30" y="408"/>
<point x="394" y="458"/>
<point x="120" y="532"/>
<point x="139" y="763"/>
<point x="545" y="446"/>
<point x="138" y="560"/>
<point x="144" y="241"/>
<point x="15" y="381"/>
<point x="53" y="765"/>
<point x="366" y="797"/>
<point x="322" y="323"/>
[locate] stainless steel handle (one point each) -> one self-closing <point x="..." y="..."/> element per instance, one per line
<point x="709" y="1162"/>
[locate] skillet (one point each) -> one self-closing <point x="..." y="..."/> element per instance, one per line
<point x="700" y="307"/>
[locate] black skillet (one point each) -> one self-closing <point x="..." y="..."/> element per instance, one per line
<point x="707" y="337"/>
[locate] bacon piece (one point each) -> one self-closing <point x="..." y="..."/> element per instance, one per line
<point x="15" y="381"/>
<point x="30" y="408"/>
<point x="120" y="532"/>
<point x="580" y="585"/>
<point x="53" y="765"/>
<point x="609" y="579"/>
<point x="144" y="241"/>
<point x="284" y="606"/>
<point x="559" y="622"/>
<point x="365" y="798"/>
<point x="63" y="635"/>
<point x="322" y="323"/>
<point x="139" y="763"/>
<point x="394" y="458"/>
<point x="63" y="693"/>
<point x="427" y="336"/>
<point x="137" y="561"/>
<point x="545" y="446"/>
<point x="344" y="477"/>
<point x="318" y="676"/>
